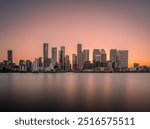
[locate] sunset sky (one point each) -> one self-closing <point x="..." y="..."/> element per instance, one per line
<point x="123" y="24"/>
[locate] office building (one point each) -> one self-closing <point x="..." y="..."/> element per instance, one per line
<point x="123" y="58"/>
<point x="74" y="61"/>
<point x="67" y="63"/>
<point x="79" y="57"/>
<point x="29" y="65"/>
<point x="22" y="66"/>
<point x="85" y="55"/>
<point x="62" y="57"/>
<point x="36" y="67"/>
<point x="45" y="54"/>
<point x="96" y="55"/>
<point x="103" y="56"/>
<point x="10" y="56"/>
<point x="113" y="55"/>
<point x="54" y="55"/>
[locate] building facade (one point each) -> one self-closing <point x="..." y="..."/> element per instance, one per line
<point x="10" y="56"/>
<point x="79" y="57"/>
<point x="45" y="54"/>
<point x="54" y="55"/>
<point x="123" y="59"/>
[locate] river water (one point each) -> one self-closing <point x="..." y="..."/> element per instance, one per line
<point x="75" y="92"/>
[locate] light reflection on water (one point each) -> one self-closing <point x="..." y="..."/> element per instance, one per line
<point x="74" y="92"/>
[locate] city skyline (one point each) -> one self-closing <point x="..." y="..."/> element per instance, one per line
<point x="60" y="61"/>
<point x="80" y="61"/>
<point x="53" y="53"/>
<point x="96" y="24"/>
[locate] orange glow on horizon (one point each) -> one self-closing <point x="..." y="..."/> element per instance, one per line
<point x="97" y="25"/>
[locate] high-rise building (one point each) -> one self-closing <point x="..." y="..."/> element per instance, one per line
<point x="40" y="61"/>
<point x="79" y="48"/>
<point x="29" y="65"/>
<point x="67" y="63"/>
<point x="74" y="61"/>
<point x="113" y="55"/>
<point x="62" y="57"/>
<point x="54" y="55"/>
<point x="37" y="65"/>
<point x="79" y="57"/>
<point x="85" y="55"/>
<point x="96" y="55"/>
<point x="10" y="56"/>
<point x="59" y="56"/>
<point x="123" y="58"/>
<point x="22" y="65"/>
<point x="45" y="54"/>
<point x="103" y="56"/>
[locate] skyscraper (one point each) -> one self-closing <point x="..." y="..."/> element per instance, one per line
<point x="54" y="55"/>
<point x="29" y="65"/>
<point x="45" y="54"/>
<point x="123" y="58"/>
<point x="10" y="56"/>
<point x="62" y="54"/>
<point x="85" y="55"/>
<point x="113" y="55"/>
<point x="79" y="57"/>
<point x="103" y="56"/>
<point x="67" y="63"/>
<point x="74" y="61"/>
<point x="37" y="64"/>
<point x="59" y="56"/>
<point x="96" y="55"/>
<point x="40" y="61"/>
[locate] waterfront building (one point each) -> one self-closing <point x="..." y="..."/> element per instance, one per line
<point x="123" y="59"/>
<point x="136" y="65"/>
<point x="96" y="55"/>
<point x="54" y="55"/>
<point x="29" y="65"/>
<point x="87" y="65"/>
<point x="85" y="55"/>
<point x="74" y="61"/>
<point x="62" y="57"/>
<point x="67" y="63"/>
<point x="45" y="54"/>
<point x="113" y="55"/>
<point x="10" y="56"/>
<point x="79" y="57"/>
<point x="103" y="56"/>
<point x="37" y="65"/>
<point x="22" y="66"/>
<point x="103" y="59"/>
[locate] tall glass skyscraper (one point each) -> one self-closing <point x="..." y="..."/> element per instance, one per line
<point x="123" y="58"/>
<point x="79" y="57"/>
<point x="54" y="55"/>
<point x="113" y="55"/>
<point x="10" y="56"/>
<point x="45" y="54"/>
<point x="62" y="57"/>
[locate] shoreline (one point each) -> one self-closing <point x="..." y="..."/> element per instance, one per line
<point x="74" y="72"/>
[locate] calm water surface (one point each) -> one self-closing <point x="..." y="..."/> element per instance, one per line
<point x="75" y="92"/>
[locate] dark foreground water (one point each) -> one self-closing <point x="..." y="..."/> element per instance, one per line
<point x="74" y="92"/>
